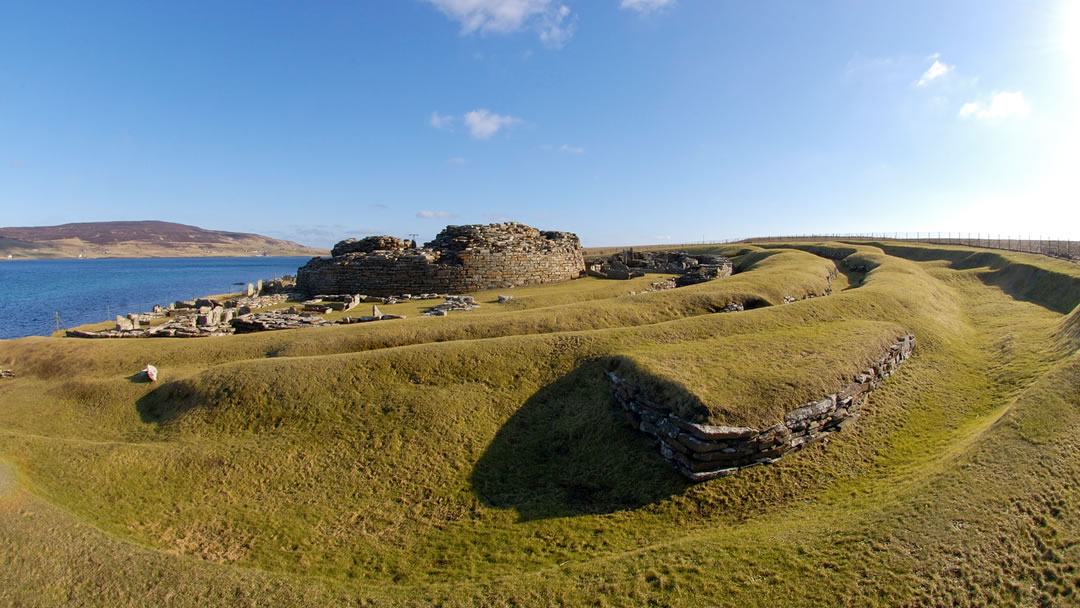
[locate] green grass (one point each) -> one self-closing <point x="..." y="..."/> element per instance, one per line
<point x="477" y="459"/>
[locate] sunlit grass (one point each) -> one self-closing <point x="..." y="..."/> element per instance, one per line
<point x="476" y="458"/>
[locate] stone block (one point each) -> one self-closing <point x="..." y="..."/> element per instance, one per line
<point x="708" y="432"/>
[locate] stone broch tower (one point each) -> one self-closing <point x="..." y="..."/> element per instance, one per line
<point x="461" y="259"/>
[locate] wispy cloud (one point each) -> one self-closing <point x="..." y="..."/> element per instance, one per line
<point x="645" y="6"/>
<point x="556" y="27"/>
<point x="554" y="23"/>
<point x="457" y="160"/>
<point x="565" y="149"/>
<point x="935" y="71"/>
<point x="432" y="215"/>
<point x="440" y="121"/>
<point x="860" y="66"/>
<point x="1002" y="104"/>
<point x="497" y="217"/>
<point x="483" y="124"/>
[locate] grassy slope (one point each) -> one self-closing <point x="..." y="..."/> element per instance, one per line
<point x="475" y="458"/>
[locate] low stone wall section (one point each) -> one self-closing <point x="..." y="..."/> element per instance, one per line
<point x="701" y="451"/>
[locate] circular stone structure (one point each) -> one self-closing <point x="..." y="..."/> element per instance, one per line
<point x="461" y="259"/>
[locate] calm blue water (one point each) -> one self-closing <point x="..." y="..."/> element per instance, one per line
<point x="90" y="291"/>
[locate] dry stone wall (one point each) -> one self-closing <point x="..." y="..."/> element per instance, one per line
<point x="461" y="259"/>
<point x="701" y="451"/>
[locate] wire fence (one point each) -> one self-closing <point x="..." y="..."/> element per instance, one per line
<point x="1059" y="248"/>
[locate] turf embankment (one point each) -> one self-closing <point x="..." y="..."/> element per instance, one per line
<point x="476" y="459"/>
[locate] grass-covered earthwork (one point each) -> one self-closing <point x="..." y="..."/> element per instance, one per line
<point x="477" y="459"/>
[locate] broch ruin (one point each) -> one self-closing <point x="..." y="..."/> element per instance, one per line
<point x="461" y="259"/>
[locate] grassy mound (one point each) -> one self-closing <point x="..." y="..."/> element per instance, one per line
<point x="477" y="459"/>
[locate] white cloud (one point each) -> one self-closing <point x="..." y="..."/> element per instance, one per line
<point x="552" y="22"/>
<point x="565" y="149"/>
<point x="440" y="121"/>
<point x="431" y="215"/>
<point x="935" y="71"/>
<point x="483" y="124"/>
<point x="1003" y="104"/>
<point x="457" y="160"/>
<point x="645" y="6"/>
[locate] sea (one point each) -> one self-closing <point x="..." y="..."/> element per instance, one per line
<point x="38" y="295"/>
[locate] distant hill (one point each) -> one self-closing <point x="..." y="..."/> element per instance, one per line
<point x="143" y="239"/>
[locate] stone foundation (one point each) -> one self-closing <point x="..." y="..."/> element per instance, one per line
<point x="461" y="259"/>
<point x="702" y="452"/>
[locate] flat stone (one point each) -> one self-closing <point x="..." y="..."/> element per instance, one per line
<point x="708" y="432"/>
<point x="707" y="475"/>
<point x="668" y="428"/>
<point x="717" y="457"/>
<point x="812" y="410"/>
<point x="697" y="445"/>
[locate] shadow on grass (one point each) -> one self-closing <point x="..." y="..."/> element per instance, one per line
<point x="855" y="278"/>
<point x="1070" y="330"/>
<point x="139" y="378"/>
<point x="568" y="451"/>
<point x="166" y="402"/>
<point x="1053" y="290"/>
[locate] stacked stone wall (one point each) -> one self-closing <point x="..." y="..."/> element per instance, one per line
<point x="461" y="259"/>
<point x="702" y="452"/>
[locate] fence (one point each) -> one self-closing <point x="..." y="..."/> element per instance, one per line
<point x="1058" y="248"/>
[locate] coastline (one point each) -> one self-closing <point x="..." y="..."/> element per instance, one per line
<point x="292" y="254"/>
<point x="42" y="294"/>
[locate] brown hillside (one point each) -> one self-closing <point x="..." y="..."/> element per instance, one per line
<point x="140" y="239"/>
<point x="111" y="233"/>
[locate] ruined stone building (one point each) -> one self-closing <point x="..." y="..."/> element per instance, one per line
<point x="461" y="259"/>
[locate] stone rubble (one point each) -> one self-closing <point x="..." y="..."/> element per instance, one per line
<point x="451" y="304"/>
<point x="661" y="285"/>
<point x="323" y="304"/>
<point x="405" y="297"/>
<point x="254" y="302"/>
<point x="376" y="315"/>
<point x="207" y="317"/>
<point x="274" y="320"/>
<point x="702" y="452"/>
<point x="692" y="269"/>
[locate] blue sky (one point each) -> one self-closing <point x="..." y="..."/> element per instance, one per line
<point x="625" y="121"/>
